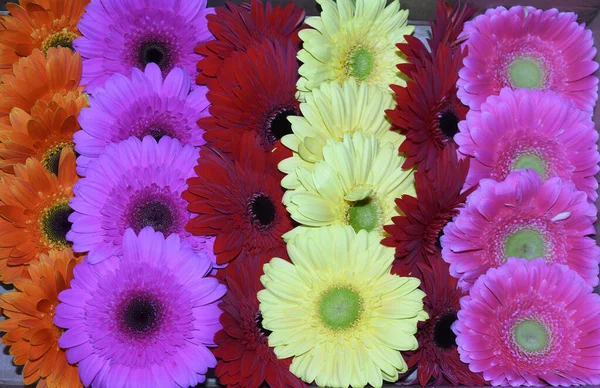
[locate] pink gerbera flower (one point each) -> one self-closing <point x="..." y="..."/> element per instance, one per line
<point x="524" y="47"/>
<point x="531" y="323"/>
<point x="526" y="218"/>
<point x="531" y="129"/>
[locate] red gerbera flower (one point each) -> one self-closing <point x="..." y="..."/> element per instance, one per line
<point x="238" y="199"/>
<point x="415" y="235"/>
<point x="428" y="111"/>
<point x="256" y="92"/>
<point x="445" y="30"/>
<point x="237" y="27"/>
<point x="244" y="358"/>
<point x="437" y="360"/>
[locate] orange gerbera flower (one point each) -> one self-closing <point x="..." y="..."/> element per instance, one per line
<point x="34" y="211"/>
<point x="41" y="135"/>
<point x="30" y="329"/>
<point x="38" y="24"/>
<point x="38" y="78"/>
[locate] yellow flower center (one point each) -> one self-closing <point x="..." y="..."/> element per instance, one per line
<point x="340" y="308"/>
<point x="360" y="63"/>
<point x="51" y="157"/>
<point x="63" y="38"/>
<point x="54" y="224"/>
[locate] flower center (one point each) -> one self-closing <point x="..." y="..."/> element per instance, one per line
<point x="531" y="161"/>
<point x="530" y="336"/>
<point x="140" y="314"/>
<point x="55" y="224"/>
<point x="157" y="133"/>
<point x="51" y="158"/>
<point x="443" y="336"/>
<point x="63" y="38"/>
<point x="525" y="243"/>
<point x="154" y="213"/>
<point x="360" y="63"/>
<point x="340" y="308"/>
<point x="526" y="73"/>
<point x="279" y="126"/>
<point x="262" y="210"/>
<point x="261" y="329"/>
<point x="155" y="51"/>
<point x="448" y="123"/>
<point x="363" y="214"/>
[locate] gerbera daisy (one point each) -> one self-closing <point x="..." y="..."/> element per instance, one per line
<point x="142" y="32"/>
<point x="30" y="329"/>
<point x="428" y="111"/>
<point x="236" y="28"/>
<point x="39" y="24"/>
<point x="330" y="112"/>
<point x="337" y="309"/>
<point x="34" y="213"/>
<point x="145" y="319"/>
<point x="244" y="358"/>
<point x="133" y="184"/>
<point x="436" y="361"/>
<point x="531" y="323"/>
<point x="524" y="47"/>
<point x="43" y="134"/>
<point x="238" y="200"/>
<point x="143" y="104"/>
<point x="37" y="78"/>
<point x="355" y="184"/>
<point x="353" y="39"/>
<point x="445" y="31"/>
<point x="531" y="129"/>
<point x="526" y="218"/>
<point x="416" y="233"/>
<point x="257" y="92"/>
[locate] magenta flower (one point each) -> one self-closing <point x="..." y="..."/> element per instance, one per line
<point x="524" y="47"/>
<point x="526" y="218"/>
<point x="531" y="129"/>
<point x="144" y="319"/>
<point x="140" y="105"/>
<point x="120" y="35"/>
<point x="531" y="323"/>
<point x="134" y="184"/>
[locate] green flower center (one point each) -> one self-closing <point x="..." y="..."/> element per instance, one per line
<point x="340" y="308"/>
<point x="526" y="73"/>
<point x="530" y="336"/>
<point x="62" y="38"/>
<point x="363" y="215"/>
<point x="526" y="243"/>
<point x="55" y="224"/>
<point x="51" y="158"/>
<point x="532" y="162"/>
<point x="361" y="63"/>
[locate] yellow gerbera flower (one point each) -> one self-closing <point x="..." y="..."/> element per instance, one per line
<point x="355" y="184"/>
<point x="337" y="309"/>
<point x="353" y="39"/>
<point x="330" y="112"/>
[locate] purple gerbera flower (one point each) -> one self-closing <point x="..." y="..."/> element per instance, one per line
<point x="133" y="184"/>
<point x="140" y="105"/>
<point x="119" y="35"/>
<point x="144" y="320"/>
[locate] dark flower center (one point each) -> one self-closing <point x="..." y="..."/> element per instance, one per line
<point x="157" y="133"/>
<point x="438" y="239"/>
<point x="140" y="314"/>
<point x="262" y="210"/>
<point x="448" y="122"/>
<point x="154" y="213"/>
<point x="51" y="158"/>
<point x="279" y="125"/>
<point x="55" y="225"/>
<point x="261" y="329"/>
<point x="443" y="336"/>
<point x="154" y="51"/>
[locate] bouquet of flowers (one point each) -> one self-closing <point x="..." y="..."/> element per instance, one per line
<point x="281" y="200"/>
